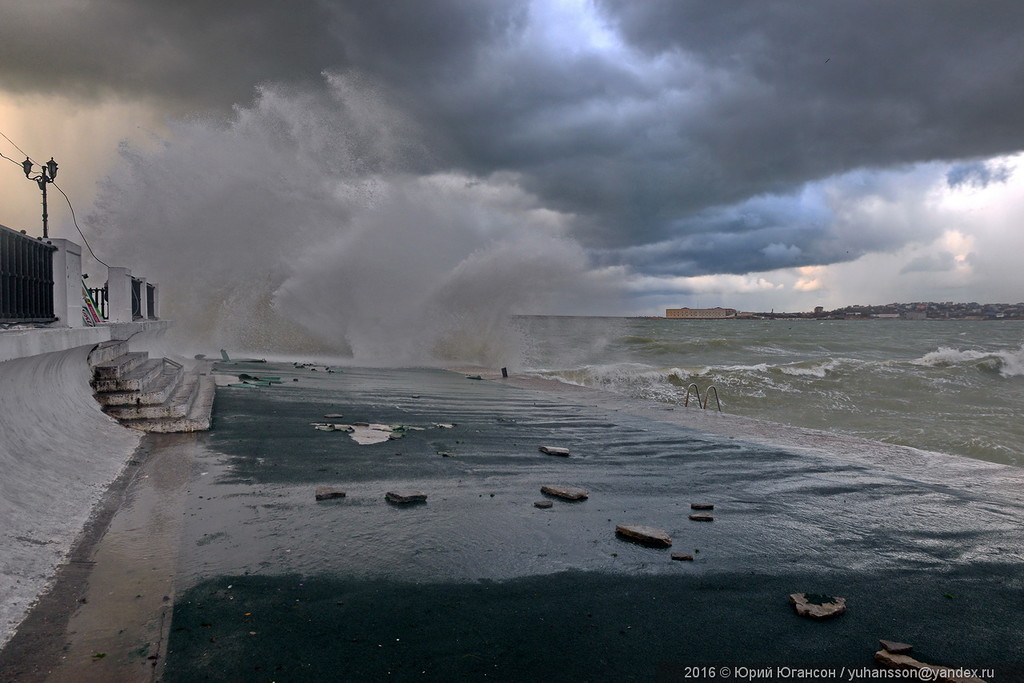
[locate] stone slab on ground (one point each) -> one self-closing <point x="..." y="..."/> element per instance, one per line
<point x="817" y="606"/>
<point x="896" y="648"/>
<point x="328" y="493"/>
<point x="648" y="535"/>
<point x="406" y="496"/>
<point x="567" y="492"/>
<point x="554" y="450"/>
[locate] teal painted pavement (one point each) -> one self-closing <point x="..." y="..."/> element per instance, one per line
<point x="478" y="583"/>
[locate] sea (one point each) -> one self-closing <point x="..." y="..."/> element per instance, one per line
<point x="950" y="386"/>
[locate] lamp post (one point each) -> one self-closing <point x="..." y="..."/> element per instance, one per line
<point x="47" y="172"/>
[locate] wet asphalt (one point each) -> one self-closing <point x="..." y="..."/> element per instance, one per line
<point x="479" y="583"/>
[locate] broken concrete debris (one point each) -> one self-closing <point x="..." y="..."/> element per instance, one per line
<point x="647" y="535"/>
<point x="543" y="504"/>
<point x="328" y="493"/>
<point x="567" y="492"/>
<point x="554" y="450"/>
<point x="683" y="557"/>
<point x="895" y="648"/>
<point x="702" y="517"/>
<point x="701" y="506"/>
<point x="330" y="427"/>
<point x="815" y="606"/>
<point x="365" y="433"/>
<point x="405" y="496"/>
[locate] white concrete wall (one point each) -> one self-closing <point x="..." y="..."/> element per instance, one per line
<point x="67" y="283"/>
<point x="58" y="454"/>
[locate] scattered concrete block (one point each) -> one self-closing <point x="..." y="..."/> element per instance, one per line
<point x="405" y="496"/>
<point x="328" y="493"/>
<point x="554" y="450"/>
<point x="567" y="492"/>
<point x="816" y="606"/>
<point x="926" y="672"/>
<point x="334" y="415"/>
<point x="701" y="506"/>
<point x="647" y="535"/>
<point x="895" y="648"/>
<point x="544" y="504"/>
<point x="701" y="517"/>
<point x="682" y="557"/>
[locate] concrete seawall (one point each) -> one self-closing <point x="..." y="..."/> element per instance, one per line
<point x="58" y="454"/>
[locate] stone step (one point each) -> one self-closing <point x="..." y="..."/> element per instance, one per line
<point x="177" y="405"/>
<point x="107" y="351"/>
<point x="162" y="399"/>
<point x="118" y="367"/>
<point x="196" y="417"/>
<point x="137" y="379"/>
<point x="155" y="392"/>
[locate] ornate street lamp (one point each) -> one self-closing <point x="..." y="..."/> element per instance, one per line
<point x="47" y="173"/>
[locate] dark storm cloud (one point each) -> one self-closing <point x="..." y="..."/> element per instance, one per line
<point x="212" y="54"/>
<point x="706" y="105"/>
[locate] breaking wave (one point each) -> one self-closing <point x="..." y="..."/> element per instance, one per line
<point x="1007" y="363"/>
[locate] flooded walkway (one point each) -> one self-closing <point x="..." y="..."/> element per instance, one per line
<point x="271" y="584"/>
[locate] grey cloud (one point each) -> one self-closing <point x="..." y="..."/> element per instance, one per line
<point x="930" y="263"/>
<point x="210" y="55"/>
<point x="977" y="174"/>
<point x="711" y="104"/>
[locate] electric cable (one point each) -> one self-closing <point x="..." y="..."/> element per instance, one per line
<point x="75" y="220"/>
<point x="66" y="197"/>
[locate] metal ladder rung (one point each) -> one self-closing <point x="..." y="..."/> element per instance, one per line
<point x="707" y="396"/>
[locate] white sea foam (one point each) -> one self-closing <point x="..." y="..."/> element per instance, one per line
<point x="812" y="370"/>
<point x="1008" y="363"/>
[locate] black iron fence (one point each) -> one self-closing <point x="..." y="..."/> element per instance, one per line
<point x="99" y="300"/>
<point x="26" y="278"/>
<point x="136" y="298"/>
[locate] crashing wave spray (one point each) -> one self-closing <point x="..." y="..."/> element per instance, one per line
<point x="302" y="225"/>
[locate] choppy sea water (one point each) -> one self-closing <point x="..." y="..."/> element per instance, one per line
<point x="949" y="386"/>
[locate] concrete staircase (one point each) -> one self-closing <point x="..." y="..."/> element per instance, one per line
<point x="150" y="394"/>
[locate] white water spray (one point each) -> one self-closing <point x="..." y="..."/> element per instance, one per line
<point x="302" y="226"/>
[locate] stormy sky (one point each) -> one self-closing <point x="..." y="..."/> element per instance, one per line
<point x="755" y="154"/>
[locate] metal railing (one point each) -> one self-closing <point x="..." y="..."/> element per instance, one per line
<point x="707" y="396"/>
<point x="136" y="298"/>
<point x="26" y="278"/>
<point x="99" y="300"/>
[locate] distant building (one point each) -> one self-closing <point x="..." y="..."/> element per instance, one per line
<point x="716" y="313"/>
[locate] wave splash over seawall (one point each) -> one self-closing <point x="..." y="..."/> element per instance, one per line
<point x="315" y="222"/>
